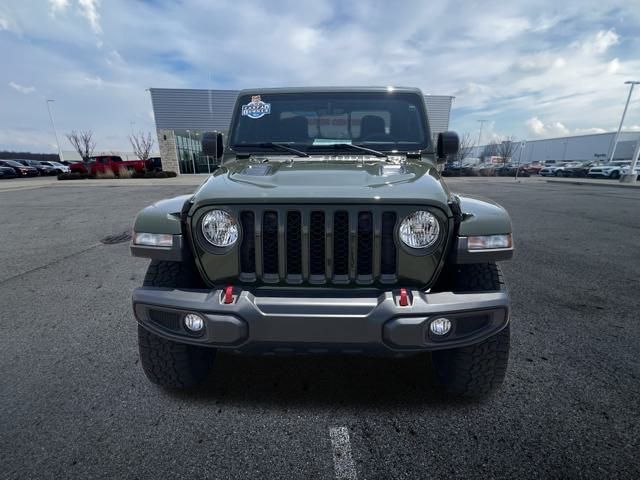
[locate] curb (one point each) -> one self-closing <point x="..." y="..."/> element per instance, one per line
<point x="597" y="184"/>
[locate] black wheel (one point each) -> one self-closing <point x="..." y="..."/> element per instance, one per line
<point x="167" y="363"/>
<point x="615" y="174"/>
<point x="479" y="369"/>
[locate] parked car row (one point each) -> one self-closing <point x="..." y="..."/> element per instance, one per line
<point x="31" y="168"/>
<point x="95" y="165"/>
<point x="559" y="169"/>
<point x="455" y="169"/>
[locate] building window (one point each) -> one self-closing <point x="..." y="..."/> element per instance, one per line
<point x="189" y="153"/>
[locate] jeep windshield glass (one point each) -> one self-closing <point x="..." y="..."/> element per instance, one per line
<point x="328" y="122"/>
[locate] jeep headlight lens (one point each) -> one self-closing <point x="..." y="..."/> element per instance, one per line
<point x="219" y="228"/>
<point x="420" y="230"/>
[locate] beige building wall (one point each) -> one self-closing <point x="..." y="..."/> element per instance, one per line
<point x="168" y="152"/>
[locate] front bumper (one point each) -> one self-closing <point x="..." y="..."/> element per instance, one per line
<point x="272" y="322"/>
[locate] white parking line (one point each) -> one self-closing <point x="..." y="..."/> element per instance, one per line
<point x="343" y="462"/>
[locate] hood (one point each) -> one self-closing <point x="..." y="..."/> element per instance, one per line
<point x="319" y="179"/>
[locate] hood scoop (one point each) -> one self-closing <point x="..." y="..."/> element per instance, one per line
<point x="257" y="170"/>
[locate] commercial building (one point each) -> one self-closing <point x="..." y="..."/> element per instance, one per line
<point x="579" y="148"/>
<point x="182" y="115"/>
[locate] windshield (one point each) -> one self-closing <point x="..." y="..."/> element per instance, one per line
<point x="13" y="163"/>
<point x="321" y="121"/>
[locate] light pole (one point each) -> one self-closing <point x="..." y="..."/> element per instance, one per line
<point x="633" y="83"/>
<point x="53" y="124"/>
<point x="482" y="122"/>
<point x="522" y="145"/>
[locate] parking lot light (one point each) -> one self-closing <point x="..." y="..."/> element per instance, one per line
<point x="633" y="83"/>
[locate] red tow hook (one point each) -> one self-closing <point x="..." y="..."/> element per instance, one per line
<point x="228" y="294"/>
<point x="404" y="298"/>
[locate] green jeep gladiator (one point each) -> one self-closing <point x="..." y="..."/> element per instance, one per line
<point x="327" y="229"/>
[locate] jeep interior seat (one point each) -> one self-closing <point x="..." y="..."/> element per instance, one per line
<point x="294" y="129"/>
<point x="371" y="125"/>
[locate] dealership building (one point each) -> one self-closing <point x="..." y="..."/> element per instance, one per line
<point x="578" y="148"/>
<point x="182" y="115"/>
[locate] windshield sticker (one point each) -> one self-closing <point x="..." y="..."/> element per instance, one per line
<point x="330" y="141"/>
<point x="256" y="108"/>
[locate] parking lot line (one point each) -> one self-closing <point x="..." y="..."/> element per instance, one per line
<point x="343" y="463"/>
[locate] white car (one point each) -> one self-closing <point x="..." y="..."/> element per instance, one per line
<point x="556" y="170"/>
<point x="60" y="168"/>
<point x="610" y="170"/>
<point x="627" y="168"/>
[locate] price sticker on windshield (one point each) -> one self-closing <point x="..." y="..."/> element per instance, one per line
<point x="256" y="108"/>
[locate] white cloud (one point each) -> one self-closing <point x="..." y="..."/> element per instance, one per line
<point x="58" y="5"/>
<point x="538" y="128"/>
<point x="22" y="88"/>
<point x="601" y="42"/>
<point x="4" y="24"/>
<point x="89" y="10"/>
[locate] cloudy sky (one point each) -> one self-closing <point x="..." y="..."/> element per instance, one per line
<point x="533" y="69"/>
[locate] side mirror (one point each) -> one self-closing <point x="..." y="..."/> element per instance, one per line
<point x="448" y="144"/>
<point x="213" y="144"/>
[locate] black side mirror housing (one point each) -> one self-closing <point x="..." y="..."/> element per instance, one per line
<point x="213" y="144"/>
<point x="448" y="144"/>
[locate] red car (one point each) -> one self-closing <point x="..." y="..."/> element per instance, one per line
<point x="107" y="163"/>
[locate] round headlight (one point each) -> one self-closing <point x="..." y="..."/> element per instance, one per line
<point x="420" y="229"/>
<point x="219" y="228"/>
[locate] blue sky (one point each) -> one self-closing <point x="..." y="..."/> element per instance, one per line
<point x="533" y="69"/>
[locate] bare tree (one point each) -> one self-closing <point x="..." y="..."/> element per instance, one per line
<point x="506" y="149"/>
<point x="83" y="143"/>
<point x="465" y="147"/>
<point x="142" y="145"/>
<point x="490" y="150"/>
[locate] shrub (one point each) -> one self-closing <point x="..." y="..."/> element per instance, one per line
<point x="106" y="175"/>
<point x="124" y="172"/>
<point x="149" y="174"/>
<point x="161" y="175"/>
<point x="171" y="174"/>
<point x="138" y="175"/>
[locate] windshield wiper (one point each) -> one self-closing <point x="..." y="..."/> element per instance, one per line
<point x="281" y="146"/>
<point x="373" y="152"/>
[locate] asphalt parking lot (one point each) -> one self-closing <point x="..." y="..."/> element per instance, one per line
<point x="74" y="402"/>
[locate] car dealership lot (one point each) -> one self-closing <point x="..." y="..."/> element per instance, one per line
<point x="74" y="401"/>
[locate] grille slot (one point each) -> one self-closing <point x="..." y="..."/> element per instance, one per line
<point x="270" y="243"/>
<point x="294" y="243"/>
<point x="365" y="243"/>
<point x="248" y="248"/>
<point x="388" y="246"/>
<point x="316" y="244"/>
<point x="341" y="243"/>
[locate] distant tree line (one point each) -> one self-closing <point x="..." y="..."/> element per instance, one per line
<point x="45" y="157"/>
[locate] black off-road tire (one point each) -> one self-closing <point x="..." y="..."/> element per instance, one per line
<point x="167" y="363"/>
<point x="476" y="370"/>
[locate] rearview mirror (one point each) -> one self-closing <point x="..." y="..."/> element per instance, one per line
<point x="448" y="144"/>
<point x="213" y="144"/>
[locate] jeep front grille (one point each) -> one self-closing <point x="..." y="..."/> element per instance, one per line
<point x="318" y="246"/>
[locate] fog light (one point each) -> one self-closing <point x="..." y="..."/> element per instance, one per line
<point x="440" y="326"/>
<point x="194" y="322"/>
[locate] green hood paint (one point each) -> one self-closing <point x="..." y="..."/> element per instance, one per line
<point x="322" y="180"/>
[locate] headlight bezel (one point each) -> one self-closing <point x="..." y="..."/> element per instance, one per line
<point x="429" y="248"/>
<point x="209" y="243"/>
